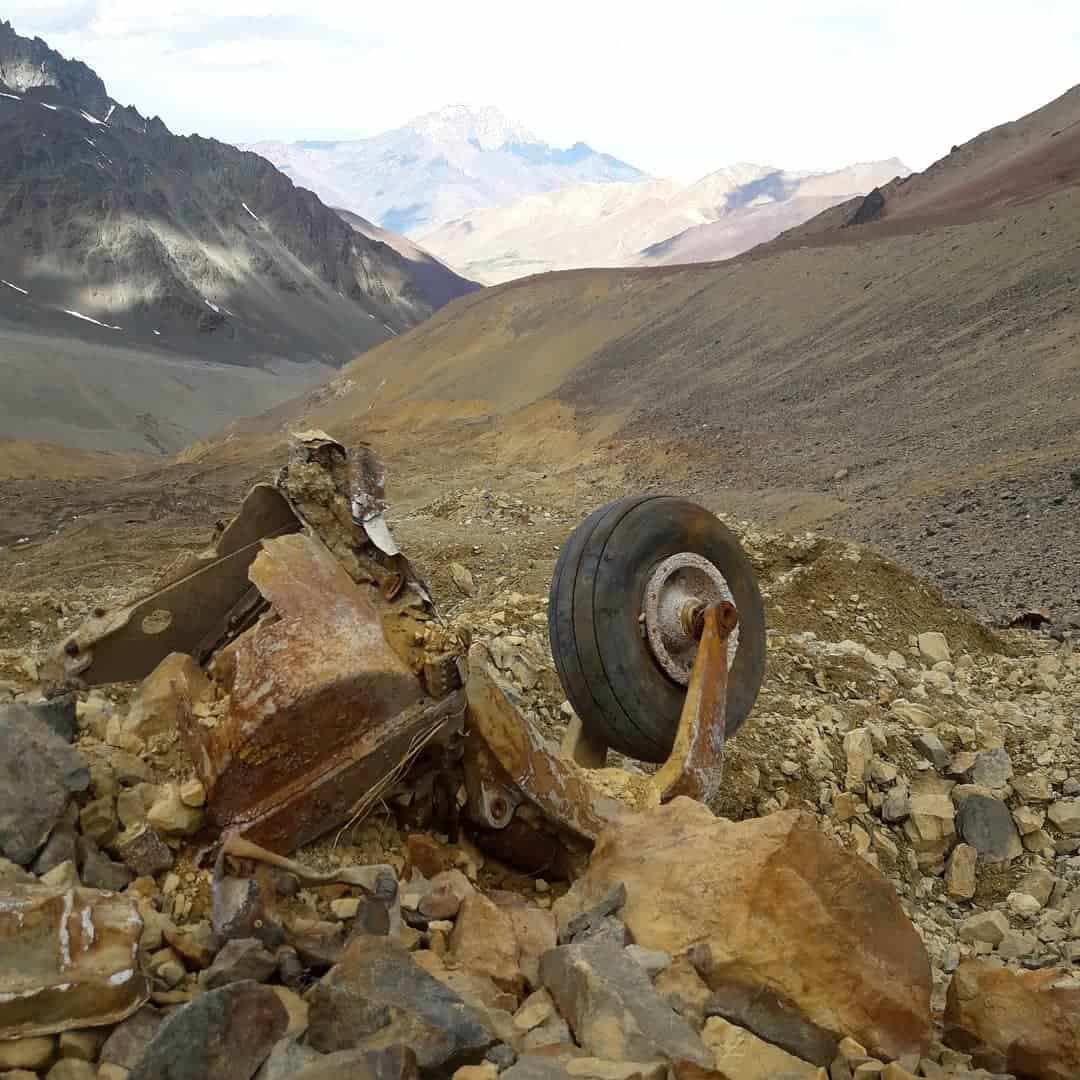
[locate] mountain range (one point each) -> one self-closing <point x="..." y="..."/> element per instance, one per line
<point x="646" y="223"/>
<point x="438" y="167"/>
<point x="159" y="252"/>
<point x="497" y="202"/>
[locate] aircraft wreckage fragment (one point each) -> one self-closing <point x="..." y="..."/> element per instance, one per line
<point x="334" y="682"/>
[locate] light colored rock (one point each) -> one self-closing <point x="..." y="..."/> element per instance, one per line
<point x="534" y="930"/>
<point x="112" y="1072"/>
<point x="483" y="942"/>
<point x="1033" y="787"/>
<point x="1028" y="819"/>
<point x="170" y="816"/>
<point x="960" y="880"/>
<point x="859" y="751"/>
<point x="590" y="1068"/>
<point x="986" y="926"/>
<point x="345" y="908"/>
<point x="1025" y="1023"/>
<point x="33" y="1054"/>
<point x="486" y="1070"/>
<point x="192" y="793"/>
<point x="931" y="830"/>
<point x="1065" y="815"/>
<point x="84" y="1045"/>
<point x="934" y="647"/>
<point x="72" y="1069"/>
<point x="535" y="1009"/>
<point x="1039" y="883"/>
<point x="740" y="1053"/>
<point x="98" y="820"/>
<point x="155" y="708"/>
<point x="297" y="1010"/>
<point x="833" y="940"/>
<point x="1022" y="905"/>
<point x="463" y="579"/>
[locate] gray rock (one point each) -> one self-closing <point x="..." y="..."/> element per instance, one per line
<point x="775" y="1020"/>
<point x="59" y="848"/>
<point x="38" y="774"/>
<point x="98" y="871"/>
<point x="613" y="1009"/>
<point x="932" y="748"/>
<point x="897" y="805"/>
<point x="290" y="967"/>
<point x="652" y="960"/>
<point x="129" y="1040"/>
<point x="240" y="959"/>
<point x="986" y="824"/>
<point x="379" y="996"/>
<point x="609" y="930"/>
<point x="225" y="1034"/>
<point x="611" y="902"/>
<point x="287" y="1058"/>
<point x="536" y="1067"/>
<point x="57" y="714"/>
<point x="394" y="1063"/>
<point x="992" y="768"/>
<point x="501" y="1056"/>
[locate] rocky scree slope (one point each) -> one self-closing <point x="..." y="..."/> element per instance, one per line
<point x="907" y="785"/>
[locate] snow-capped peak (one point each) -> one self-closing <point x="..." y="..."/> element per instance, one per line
<point x="487" y="127"/>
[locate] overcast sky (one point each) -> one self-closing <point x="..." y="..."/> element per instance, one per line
<point x="675" y="87"/>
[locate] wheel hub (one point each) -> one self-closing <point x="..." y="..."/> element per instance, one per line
<point x="676" y="594"/>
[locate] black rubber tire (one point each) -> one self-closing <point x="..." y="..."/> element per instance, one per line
<point x="609" y="674"/>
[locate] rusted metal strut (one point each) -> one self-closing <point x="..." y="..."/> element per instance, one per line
<point x="507" y="762"/>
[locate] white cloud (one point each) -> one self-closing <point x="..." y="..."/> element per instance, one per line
<point x="677" y="88"/>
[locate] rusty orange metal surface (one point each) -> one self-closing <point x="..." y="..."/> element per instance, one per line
<point x="695" y="766"/>
<point x="187" y="611"/>
<point x="507" y="761"/>
<point x="320" y="708"/>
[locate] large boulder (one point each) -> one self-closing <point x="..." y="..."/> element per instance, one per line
<point x="225" y="1034"/>
<point x="612" y="1007"/>
<point x="771" y="905"/>
<point x="1027" y="1023"/>
<point x="378" y="996"/>
<point x="39" y="772"/>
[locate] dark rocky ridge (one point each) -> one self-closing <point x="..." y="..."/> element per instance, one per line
<point x="109" y="214"/>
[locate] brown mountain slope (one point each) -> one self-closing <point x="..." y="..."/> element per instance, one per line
<point x="1009" y="165"/>
<point x="932" y="372"/>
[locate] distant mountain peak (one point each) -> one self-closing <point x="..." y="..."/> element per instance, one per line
<point x="440" y="166"/>
<point x="486" y="127"/>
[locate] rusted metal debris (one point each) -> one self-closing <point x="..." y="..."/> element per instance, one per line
<point x="68" y="959"/>
<point x="507" y="762"/>
<point x="331" y="676"/>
